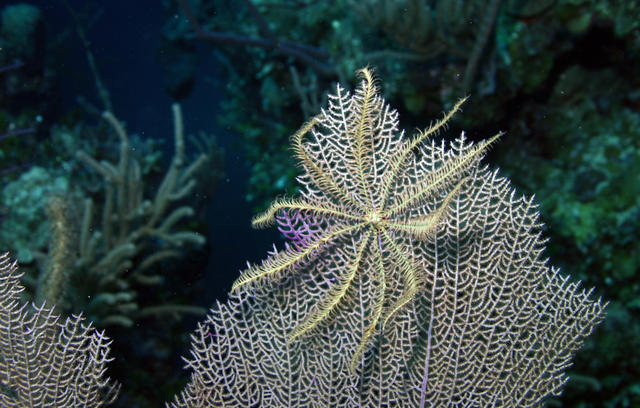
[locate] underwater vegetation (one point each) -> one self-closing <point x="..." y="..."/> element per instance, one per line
<point x="557" y="77"/>
<point x="423" y="285"/>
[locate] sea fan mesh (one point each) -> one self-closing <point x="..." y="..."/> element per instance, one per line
<point x="492" y="324"/>
<point x="45" y="362"/>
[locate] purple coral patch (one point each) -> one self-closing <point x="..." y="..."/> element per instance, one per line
<point x="298" y="227"/>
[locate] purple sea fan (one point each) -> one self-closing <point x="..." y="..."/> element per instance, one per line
<point x="298" y="227"/>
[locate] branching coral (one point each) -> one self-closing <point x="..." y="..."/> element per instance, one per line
<point x="136" y="234"/>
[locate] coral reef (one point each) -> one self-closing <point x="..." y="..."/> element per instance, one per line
<point x="25" y="228"/>
<point x="416" y="278"/>
<point x="136" y="233"/>
<point x="539" y="76"/>
<point x="558" y="76"/>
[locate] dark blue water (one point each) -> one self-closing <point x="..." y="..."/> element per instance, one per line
<point x="124" y="39"/>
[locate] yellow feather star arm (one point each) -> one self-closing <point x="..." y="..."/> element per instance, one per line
<point x="365" y="128"/>
<point x="434" y="180"/>
<point x="377" y="312"/>
<point x="267" y="218"/>
<point x="334" y="295"/>
<point x="287" y="258"/>
<point x="423" y="227"/>
<point x="396" y="162"/>
<point x="320" y="176"/>
<point x="409" y="276"/>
